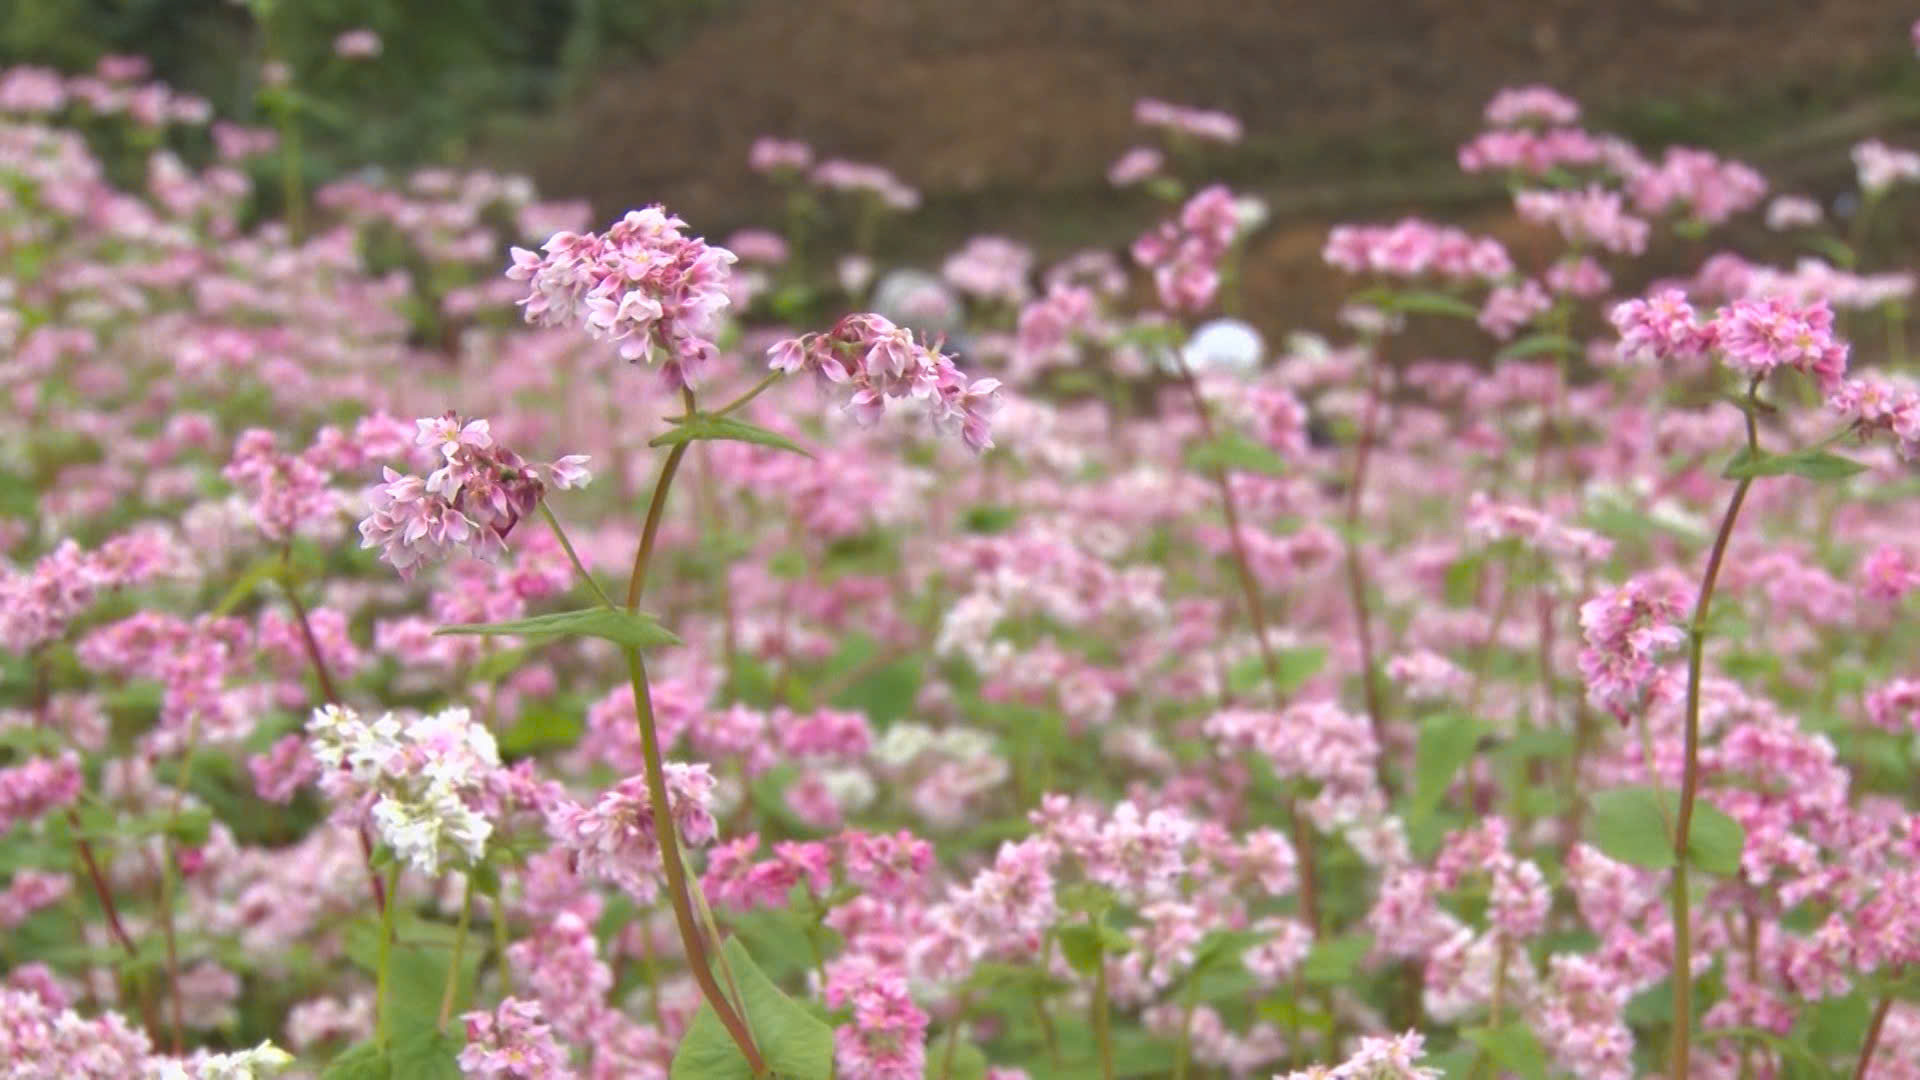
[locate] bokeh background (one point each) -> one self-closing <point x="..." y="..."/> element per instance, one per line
<point x="1006" y="113"/>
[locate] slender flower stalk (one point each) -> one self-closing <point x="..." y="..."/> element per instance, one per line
<point x="459" y="954"/>
<point x="1690" y="776"/>
<point x="1872" y="1041"/>
<point x="1356" y="575"/>
<point x="382" y="973"/>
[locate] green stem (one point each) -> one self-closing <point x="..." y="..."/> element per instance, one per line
<point x="380" y="1003"/>
<point x="1873" y="1038"/>
<point x="953" y="1038"/>
<point x="500" y="940"/>
<point x="567" y="546"/>
<point x="1102" y="1020"/>
<point x="459" y="953"/>
<point x="1184" y="1052"/>
<point x="737" y="403"/>
<point x="664" y="831"/>
<point x="1690" y="775"/>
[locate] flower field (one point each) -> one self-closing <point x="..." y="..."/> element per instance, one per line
<point x="447" y="634"/>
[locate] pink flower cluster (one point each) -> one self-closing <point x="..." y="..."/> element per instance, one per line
<point x="1207" y="124"/>
<point x="1185" y="253"/>
<point x="882" y="362"/>
<point x="1416" y="249"/>
<point x="642" y="283"/>
<point x="1627" y="630"/>
<point x="471" y="502"/>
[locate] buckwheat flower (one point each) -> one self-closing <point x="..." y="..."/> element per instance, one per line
<point x="1428" y="676"/>
<point x="1627" y="630"/>
<point x="257" y="1063"/>
<point x="1881" y="166"/>
<point x="1185" y="253"/>
<point x="1793" y="212"/>
<point x="1181" y="120"/>
<point x="1757" y="336"/>
<point x="771" y="155"/>
<point x="29" y="891"/>
<point x="1896" y="706"/>
<point x="1413" y="248"/>
<point x="1594" y="216"/>
<point x="40" y="784"/>
<point x="1136" y="165"/>
<point x="887" y="866"/>
<point x="643" y="284"/>
<point x="1521" y="106"/>
<point x="1661" y="327"/>
<point x="1140" y="856"/>
<point x="1377" y="1058"/>
<point x="1517" y="904"/>
<point x="58" y="1042"/>
<point x="881" y="362"/>
<point x="613" y="839"/>
<point x="1510" y="307"/>
<point x="870" y="181"/>
<point x="431" y="827"/>
<point x="991" y="268"/>
<point x="1706" y="188"/>
<point x="512" y="1042"/>
<point x="887" y="1037"/>
<point x="1582" y="277"/>
<point x="360" y="44"/>
<point x="1889" y="573"/>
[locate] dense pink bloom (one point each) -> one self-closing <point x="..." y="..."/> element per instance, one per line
<point x="880" y="362"/>
<point x="1185" y="253"/>
<point x="613" y="838"/>
<point x="1662" y="327"/>
<point x="1181" y="120"/>
<point x="1136" y="165"/>
<point x="1757" y="336"/>
<point x="1523" y="105"/>
<point x="511" y="1043"/>
<point x="1415" y="248"/>
<point x="643" y="283"/>
<point x="1628" y="629"/>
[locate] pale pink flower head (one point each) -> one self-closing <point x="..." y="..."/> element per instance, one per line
<point x="1536" y="105"/>
<point x="358" y="44"/>
<point x="1206" y="124"/>
<point x="1793" y="212"/>
<point x="1628" y="629"/>
<point x="1755" y="336"/>
<point x="880" y="362"/>
<point x="775" y="156"/>
<point x="1881" y="166"/>
<point x="1138" y="164"/>
<point x="643" y="285"/>
<point x="1661" y="327"/>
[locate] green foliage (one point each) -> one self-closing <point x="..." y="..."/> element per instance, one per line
<point x="1811" y="464"/>
<point x="726" y="429"/>
<point x="794" y="1042"/>
<point x="634" y="629"/>
<point x="1231" y="452"/>
<point x="1635" y="825"/>
<point x="414" y="1054"/>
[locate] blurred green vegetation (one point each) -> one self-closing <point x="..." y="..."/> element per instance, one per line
<point x="451" y="71"/>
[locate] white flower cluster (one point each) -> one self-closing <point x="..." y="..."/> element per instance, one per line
<point x="424" y="774"/>
<point x="262" y="1061"/>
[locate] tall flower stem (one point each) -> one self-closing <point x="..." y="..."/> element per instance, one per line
<point x="663" y="826"/>
<point x="459" y="953"/>
<point x="1872" y="1041"/>
<point x="1257" y="615"/>
<point x="1102" y="1021"/>
<point x="1690" y="774"/>
<point x="1356" y="576"/>
<point x="381" y="999"/>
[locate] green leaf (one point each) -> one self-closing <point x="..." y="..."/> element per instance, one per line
<point x="1421" y="302"/>
<point x="633" y="629"/>
<point x="542" y="728"/>
<point x="1086" y="897"/>
<point x="1446" y="743"/>
<point x="795" y="1044"/>
<point x="422" y="952"/>
<point x="1296" y="667"/>
<point x="1535" y="344"/>
<point x="362" y="1061"/>
<point x="965" y="1062"/>
<point x="1632" y="824"/>
<point x="1714" y="840"/>
<point x="728" y="429"/>
<point x="425" y="1054"/>
<point x="258" y="574"/>
<point x="1513" y="1047"/>
<point x="1084" y="944"/>
<point x="1234" y="452"/>
<point x="1811" y="464"/>
<point x="1334" y="960"/>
